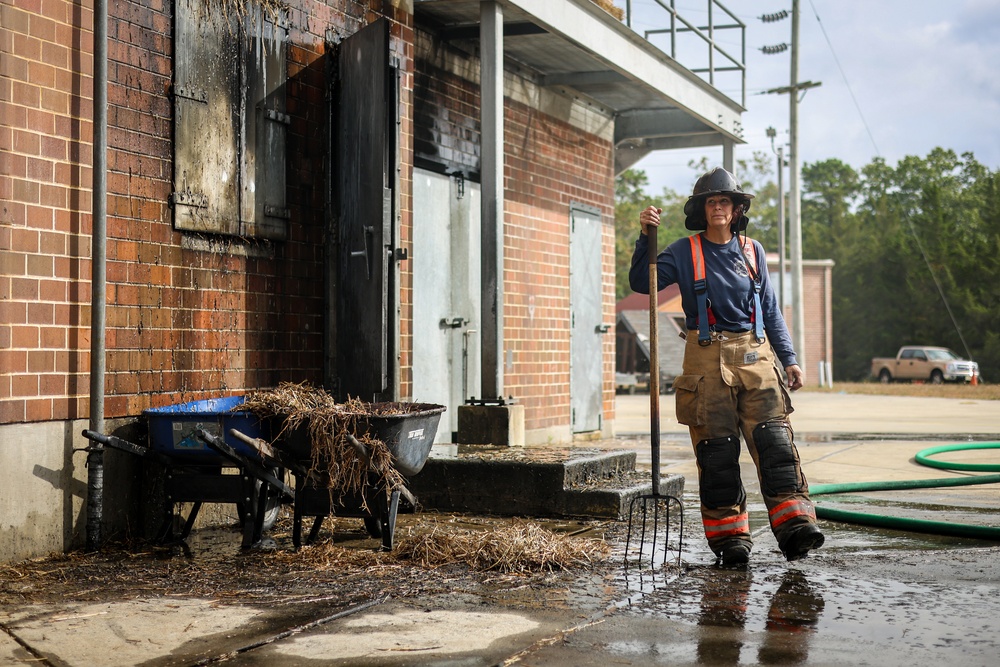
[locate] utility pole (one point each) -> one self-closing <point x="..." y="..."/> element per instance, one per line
<point x="795" y="199"/>
<point x="794" y="195"/>
<point x="783" y="260"/>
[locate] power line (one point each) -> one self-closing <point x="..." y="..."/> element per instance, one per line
<point x="906" y="213"/>
<point x="847" y="83"/>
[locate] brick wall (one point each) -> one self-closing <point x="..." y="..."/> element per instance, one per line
<point x="549" y="163"/>
<point x="817" y="285"/>
<point x="45" y="157"/>
<point x="188" y="316"/>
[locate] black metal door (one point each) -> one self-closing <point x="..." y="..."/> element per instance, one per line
<point x="365" y="178"/>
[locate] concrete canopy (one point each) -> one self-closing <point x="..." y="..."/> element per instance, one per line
<point x="658" y="104"/>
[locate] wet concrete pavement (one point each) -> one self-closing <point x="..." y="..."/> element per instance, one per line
<point x="870" y="596"/>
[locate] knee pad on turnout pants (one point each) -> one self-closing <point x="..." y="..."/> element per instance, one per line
<point x="719" y="463"/>
<point x="778" y="460"/>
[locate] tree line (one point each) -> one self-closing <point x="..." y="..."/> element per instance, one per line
<point x="916" y="248"/>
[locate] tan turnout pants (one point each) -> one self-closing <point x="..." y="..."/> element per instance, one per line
<point x="728" y="388"/>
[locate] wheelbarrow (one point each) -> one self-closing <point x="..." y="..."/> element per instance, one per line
<point x="187" y="441"/>
<point x="407" y="429"/>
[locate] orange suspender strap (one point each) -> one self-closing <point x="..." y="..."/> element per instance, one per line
<point x="700" y="289"/>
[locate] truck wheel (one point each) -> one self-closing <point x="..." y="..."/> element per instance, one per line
<point x="937" y="377"/>
<point x="885" y="377"/>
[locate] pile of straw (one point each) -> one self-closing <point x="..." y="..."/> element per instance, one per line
<point x="518" y="547"/>
<point x="610" y="7"/>
<point x="335" y="463"/>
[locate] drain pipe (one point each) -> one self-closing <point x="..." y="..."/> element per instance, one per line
<point x="98" y="279"/>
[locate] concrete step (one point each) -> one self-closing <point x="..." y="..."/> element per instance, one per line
<point x="540" y="482"/>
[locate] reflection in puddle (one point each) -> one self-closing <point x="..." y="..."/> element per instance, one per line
<point x="771" y="613"/>
<point x="744" y="615"/>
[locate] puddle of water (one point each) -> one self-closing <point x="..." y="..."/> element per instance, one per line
<point x="782" y="610"/>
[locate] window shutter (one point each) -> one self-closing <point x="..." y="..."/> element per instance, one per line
<point x="206" y="95"/>
<point x="264" y="206"/>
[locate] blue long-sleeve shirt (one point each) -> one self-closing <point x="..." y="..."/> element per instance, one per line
<point x="729" y="287"/>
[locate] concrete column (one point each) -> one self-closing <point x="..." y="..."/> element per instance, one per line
<point x="729" y="155"/>
<point x="491" y="170"/>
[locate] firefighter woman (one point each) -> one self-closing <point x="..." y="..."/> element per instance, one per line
<point x="730" y="383"/>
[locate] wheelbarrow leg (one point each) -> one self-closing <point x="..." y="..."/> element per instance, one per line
<point x="166" y="532"/>
<point x="247" y="515"/>
<point x="297" y="523"/>
<point x="306" y="501"/>
<point x="189" y="524"/>
<point x="314" y="531"/>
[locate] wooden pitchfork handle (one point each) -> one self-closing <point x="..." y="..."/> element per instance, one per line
<point x="654" y="362"/>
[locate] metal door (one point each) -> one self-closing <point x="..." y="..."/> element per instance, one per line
<point x="586" y="326"/>
<point x="366" y="102"/>
<point x="446" y="298"/>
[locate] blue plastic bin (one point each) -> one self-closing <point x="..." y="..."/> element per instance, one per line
<point x="172" y="428"/>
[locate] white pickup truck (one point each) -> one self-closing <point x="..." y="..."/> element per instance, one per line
<point x="922" y="362"/>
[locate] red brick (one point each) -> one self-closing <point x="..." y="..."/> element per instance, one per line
<point x="12" y="411"/>
<point x="24" y="385"/>
<point x="39" y="409"/>
<point x="53" y="337"/>
<point x="41" y="361"/>
<point x="40" y="313"/>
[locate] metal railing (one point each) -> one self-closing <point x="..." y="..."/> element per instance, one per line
<point x="678" y="25"/>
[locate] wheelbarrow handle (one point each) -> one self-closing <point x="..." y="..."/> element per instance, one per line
<point x="115" y="442"/>
<point x="362" y="451"/>
<point x="360" y="448"/>
<point x="262" y="446"/>
<point x="96" y="437"/>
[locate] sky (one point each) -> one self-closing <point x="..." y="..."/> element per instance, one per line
<point x="899" y="78"/>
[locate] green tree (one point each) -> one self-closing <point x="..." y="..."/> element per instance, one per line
<point x="911" y="244"/>
<point x="829" y="191"/>
<point x="630" y="199"/>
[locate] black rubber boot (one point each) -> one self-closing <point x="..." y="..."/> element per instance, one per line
<point x="735" y="553"/>
<point x="800" y="541"/>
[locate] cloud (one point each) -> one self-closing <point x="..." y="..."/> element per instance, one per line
<point x="922" y="73"/>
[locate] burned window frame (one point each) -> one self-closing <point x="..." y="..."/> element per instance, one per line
<point x="230" y="119"/>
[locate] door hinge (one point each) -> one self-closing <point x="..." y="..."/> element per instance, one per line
<point x="191" y="93"/>
<point x="189" y="198"/>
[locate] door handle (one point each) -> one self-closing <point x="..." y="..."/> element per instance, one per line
<point x="453" y="323"/>
<point x="602" y="328"/>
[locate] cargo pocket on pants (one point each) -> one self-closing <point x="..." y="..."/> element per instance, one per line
<point x="688" y="399"/>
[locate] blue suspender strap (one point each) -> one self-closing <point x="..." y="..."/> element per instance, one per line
<point x="758" y="314"/>
<point x="700" y="290"/>
<point x="701" y="293"/>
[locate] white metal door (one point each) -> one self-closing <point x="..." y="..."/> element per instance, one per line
<point x="587" y="328"/>
<point x="446" y="298"/>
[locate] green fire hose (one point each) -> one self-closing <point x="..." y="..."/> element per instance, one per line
<point x="918" y="525"/>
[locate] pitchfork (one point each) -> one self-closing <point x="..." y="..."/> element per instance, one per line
<point x="653" y="508"/>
